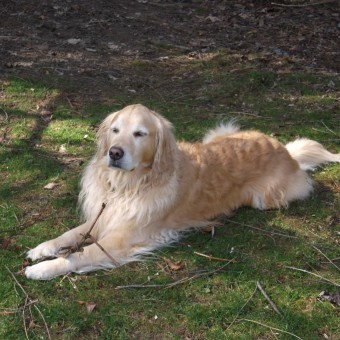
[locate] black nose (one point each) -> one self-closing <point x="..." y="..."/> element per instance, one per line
<point x="116" y="153"/>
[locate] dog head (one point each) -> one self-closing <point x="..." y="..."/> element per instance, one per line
<point x="135" y="138"/>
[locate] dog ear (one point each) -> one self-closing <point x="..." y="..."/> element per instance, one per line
<point x="103" y="134"/>
<point x="165" y="146"/>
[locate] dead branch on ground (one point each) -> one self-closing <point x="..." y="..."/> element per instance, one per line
<point x="27" y="305"/>
<point x="259" y="286"/>
<point x="317" y="275"/>
<point x="212" y="257"/>
<point x="185" y="279"/>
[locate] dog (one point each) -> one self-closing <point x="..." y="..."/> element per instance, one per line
<point x="155" y="188"/>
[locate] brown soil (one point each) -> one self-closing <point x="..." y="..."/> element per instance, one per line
<point x="92" y="43"/>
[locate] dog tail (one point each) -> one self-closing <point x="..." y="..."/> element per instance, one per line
<point x="310" y="154"/>
<point x="224" y="129"/>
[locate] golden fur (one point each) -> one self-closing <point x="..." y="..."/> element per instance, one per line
<point x="155" y="188"/>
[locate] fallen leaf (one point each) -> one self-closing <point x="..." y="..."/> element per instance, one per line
<point x="5" y="242"/>
<point x="51" y="186"/>
<point x="89" y="305"/>
<point x="332" y="298"/>
<point x="174" y="266"/>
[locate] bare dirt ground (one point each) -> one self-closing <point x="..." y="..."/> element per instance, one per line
<point x="90" y="44"/>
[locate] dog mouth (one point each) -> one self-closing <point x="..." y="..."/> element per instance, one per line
<point x="115" y="165"/>
<point x="119" y="166"/>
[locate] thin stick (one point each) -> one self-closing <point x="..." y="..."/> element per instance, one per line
<point x="317" y="275"/>
<point x="259" y="286"/>
<point x="336" y="259"/>
<point x="274" y="335"/>
<point x="186" y="279"/>
<point x="244" y="113"/>
<point x="211" y="257"/>
<point x="239" y="312"/>
<point x="103" y="250"/>
<point x="304" y="5"/>
<point x="272" y="328"/>
<point x="88" y="235"/>
<point x="330" y="261"/>
<point x="25" y="303"/>
<point x="329" y="129"/>
<point x="29" y="302"/>
<point x="23" y="319"/>
<point x="43" y="318"/>
<point x="5" y="112"/>
<point x="95" y="221"/>
<point x="259" y="229"/>
<point x="69" y="101"/>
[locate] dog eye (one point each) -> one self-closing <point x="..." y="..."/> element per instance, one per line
<point x="115" y="130"/>
<point x="139" y="134"/>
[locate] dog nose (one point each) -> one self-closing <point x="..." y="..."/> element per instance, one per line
<point x="116" y="153"/>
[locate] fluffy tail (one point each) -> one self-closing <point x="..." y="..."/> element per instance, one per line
<point x="223" y="129"/>
<point x="310" y="154"/>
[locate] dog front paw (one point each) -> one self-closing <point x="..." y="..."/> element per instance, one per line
<point x="36" y="272"/>
<point x="46" y="249"/>
<point x="47" y="270"/>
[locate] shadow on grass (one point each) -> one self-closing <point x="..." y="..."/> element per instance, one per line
<point x="23" y="155"/>
<point x="255" y="240"/>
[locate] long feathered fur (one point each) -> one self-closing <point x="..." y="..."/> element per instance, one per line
<point x="310" y="154"/>
<point x="181" y="186"/>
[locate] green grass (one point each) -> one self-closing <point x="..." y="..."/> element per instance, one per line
<point x="208" y="307"/>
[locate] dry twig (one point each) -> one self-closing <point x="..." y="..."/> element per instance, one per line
<point x="239" y="312"/>
<point x="78" y="247"/>
<point x="259" y="229"/>
<point x="329" y="260"/>
<point x="259" y="286"/>
<point x="185" y="279"/>
<point x="331" y="131"/>
<point x="211" y="257"/>
<point x="95" y="221"/>
<point x="27" y="304"/>
<point x="102" y="249"/>
<point x="272" y="328"/>
<point x="317" y="275"/>
<point x="6" y="312"/>
<point x="5" y="112"/>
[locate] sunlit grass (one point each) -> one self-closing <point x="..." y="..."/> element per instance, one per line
<point x="264" y="243"/>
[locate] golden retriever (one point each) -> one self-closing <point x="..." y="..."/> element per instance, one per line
<point x="155" y="188"/>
